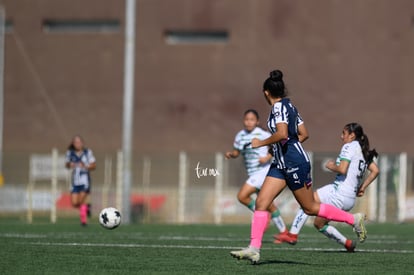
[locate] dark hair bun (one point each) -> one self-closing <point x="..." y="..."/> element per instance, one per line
<point x="276" y="75"/>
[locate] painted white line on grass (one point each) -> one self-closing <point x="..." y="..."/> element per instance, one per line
<point x="131" y="245"/>
<point x="305" y="238"/>
<point x="22" y="236"/>
<point x="395" y="251"/>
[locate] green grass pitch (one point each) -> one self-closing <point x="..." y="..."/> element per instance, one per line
<point x="68" y="248"/>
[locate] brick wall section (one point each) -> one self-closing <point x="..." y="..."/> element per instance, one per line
<point x="343" y="61"/>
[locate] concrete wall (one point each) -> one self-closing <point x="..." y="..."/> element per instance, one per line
<point x="343" y="61"/>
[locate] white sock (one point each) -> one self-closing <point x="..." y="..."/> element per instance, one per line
<point x="298" y="222"/>
<point x="333" y="234"/>
<point x="278" y="221"/>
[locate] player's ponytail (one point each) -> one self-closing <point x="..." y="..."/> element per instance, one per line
<point x="369" y="155"/>
<point x="274" y="84"/>
<point x="363" y="140"/>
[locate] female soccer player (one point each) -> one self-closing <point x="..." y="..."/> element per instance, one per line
<point x="81" y="160"/>
<point x="290" y="167"/>
<point x="257" y="163"/>
<point x="353" y="161"/>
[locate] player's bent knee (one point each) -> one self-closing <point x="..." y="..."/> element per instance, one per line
<point x="262" y="204"/>
<point x="318" y="226"/>
<point x="243" y="200"/>
<point x="310" y="210"/>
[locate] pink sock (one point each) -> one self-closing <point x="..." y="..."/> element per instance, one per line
<point x="83" y="211"/>
<point x="332" y="213"/>
<point x="259" y="223"/>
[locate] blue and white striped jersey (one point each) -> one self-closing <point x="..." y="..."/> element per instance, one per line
<point x="80" y="176"/>
<point x="287" y="153"/>
<point x="251" y="156"/>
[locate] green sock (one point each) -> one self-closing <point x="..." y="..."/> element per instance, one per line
<point x="251" y="205"/>
<point x="276" y="214"/>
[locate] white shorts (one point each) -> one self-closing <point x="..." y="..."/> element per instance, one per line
<point x="257" y="178"/>
<point x="330" y="195"/>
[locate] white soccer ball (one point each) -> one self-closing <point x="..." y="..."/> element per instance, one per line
<point x="110" y="218"/>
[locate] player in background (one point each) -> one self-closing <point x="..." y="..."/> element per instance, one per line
<point x="257" y="163"/>
<point x="353" y="161"/>
<point x="290" y="167"/>
<point x="81" y="160"/>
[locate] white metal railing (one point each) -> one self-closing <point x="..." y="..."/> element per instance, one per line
<point x="387" y="198"/>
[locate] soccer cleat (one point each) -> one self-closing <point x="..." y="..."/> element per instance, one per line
<point x="286" y="237"/>
<point x="350" y="246"/>
<point x="249" y="253"/>
<point x="359" y="226"/>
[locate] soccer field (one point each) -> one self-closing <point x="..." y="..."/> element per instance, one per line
<point x="67" y="248"/>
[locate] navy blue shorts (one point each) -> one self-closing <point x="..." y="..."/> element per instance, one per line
<point x="295" y="177"/>
<point x="80" y="188"/>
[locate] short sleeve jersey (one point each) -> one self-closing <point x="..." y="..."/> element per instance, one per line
<point x="350" y="182"/>
<point x="251" y="156"/>
<point x="80" y="174"/>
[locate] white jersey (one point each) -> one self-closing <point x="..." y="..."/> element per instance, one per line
<point x="251" y="156"/>
<point x="349" y="183"/>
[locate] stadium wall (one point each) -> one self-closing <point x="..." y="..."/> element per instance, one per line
<point x="343" y="61"/>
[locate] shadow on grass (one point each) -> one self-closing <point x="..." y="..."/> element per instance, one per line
<point x="280" y="262"/>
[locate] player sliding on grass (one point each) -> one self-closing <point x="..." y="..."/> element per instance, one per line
<point x="291" y="166"/>
<point x="257" y="163"/>
<point x="81" y="160"/>
<point x="353" y="161"/>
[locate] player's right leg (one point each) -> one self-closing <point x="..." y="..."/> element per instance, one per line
<point x="253" y="185"/>
<point x="277" y="219"/>
<point x="256" y="181"/>
<point x="332" y="233"/>
<point x="270" y="189"/>
<point x="301" y="218"/>
<point x="310" y="206"/>
<point x="250" y="253"/>
<point x="83" y="208"/>
<point x="330" y="212"/>
<point x="244" y="196"/>
<point x="329" y="194"/>
<point x="292" y="236"/>
<point x="74" y="197"/>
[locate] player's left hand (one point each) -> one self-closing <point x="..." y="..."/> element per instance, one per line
<point x="360" y="193"/>
<point x="330" y="164"/>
